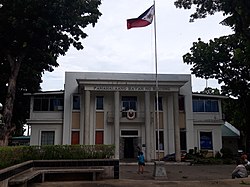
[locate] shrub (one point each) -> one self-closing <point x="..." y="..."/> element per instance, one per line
<point x="227" y="153"/>
<point x="218" y="155"/>
<point x="16" y="154"/>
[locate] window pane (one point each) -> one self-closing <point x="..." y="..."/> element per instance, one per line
<point x="129" y="102"/>
<point x="181" y="103"/>
<point x="183" y="140"/>
<point x="161" y="143"/>
<point x="125" y="105"/>
<point x="212" y="106"/>
<point x="48" y="103"/>
<point x="129" y="132"/>
<point x="99" y="137"/>
<point x="198" y="105"/>
<point x="132" y="105"/>
<point x="45" y="104"/>
<point x="37" y="104"/>
<point x="56" y="104"/>
<point x="129" y="98"/>
<point x="159" y="103"/>
<point x="47" y="137"/>
<point x="215" y="106"/>
<point x="206" y="140"/>
<point x="99" y="103"/>
<point x="76" y="102"/>
<point x="75" y="137"/>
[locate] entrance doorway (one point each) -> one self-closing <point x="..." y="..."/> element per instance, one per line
<point x="129" y="147"/>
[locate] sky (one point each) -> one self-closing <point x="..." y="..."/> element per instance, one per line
<point x="110" y="47"/>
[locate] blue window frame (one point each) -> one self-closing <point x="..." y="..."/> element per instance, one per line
<point x="205" y="105"/>
<point x="206" y="140"/>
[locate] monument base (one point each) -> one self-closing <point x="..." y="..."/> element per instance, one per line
<point x="159" y="170"/>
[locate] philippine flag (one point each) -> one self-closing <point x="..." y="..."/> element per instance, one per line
<point x="143" y="20"/>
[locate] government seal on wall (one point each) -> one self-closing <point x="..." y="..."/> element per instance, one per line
<point x="131" y="114"/>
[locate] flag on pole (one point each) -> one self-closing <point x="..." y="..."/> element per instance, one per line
<point x="143" y="20"/>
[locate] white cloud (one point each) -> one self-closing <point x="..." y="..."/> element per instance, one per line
<point x="110" y="47"/>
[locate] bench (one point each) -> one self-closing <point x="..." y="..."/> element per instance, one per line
<point x="39" y="175"/>
<point x="94" y="171"/>
<point x="22" y="179"/>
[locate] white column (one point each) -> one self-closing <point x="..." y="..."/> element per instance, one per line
<point x="177" y="129"/>
<point x="165" y="123"/>
<point x="117" y="124"/>
<point x="82" y="118"/>
<point x="147" y="126"/>
<point x="87" y="118"/>
<point x="170" y="121"/>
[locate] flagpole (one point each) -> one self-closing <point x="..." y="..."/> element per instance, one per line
<point x="157" y="89"/>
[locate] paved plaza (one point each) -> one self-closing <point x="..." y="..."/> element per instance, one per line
<point x="178" y="175"/>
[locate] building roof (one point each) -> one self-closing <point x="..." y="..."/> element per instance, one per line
<point x="131" y="76"/>
<point x="209" y="96"/>
<point x="46" y="92"/>
<point x="114" y="81"/>
<point x="229" y="130"/>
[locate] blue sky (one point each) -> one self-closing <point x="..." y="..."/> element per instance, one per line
<point x="110" y="47"/>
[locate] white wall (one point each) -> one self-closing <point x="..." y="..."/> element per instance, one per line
<point x="186" y="90"/>
<point x="216" y="133"/>
<point x="35" y="138"/>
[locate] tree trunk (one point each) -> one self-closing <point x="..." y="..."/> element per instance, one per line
<point x="8" y="127"/>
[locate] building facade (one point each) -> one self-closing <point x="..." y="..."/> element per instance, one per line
<point x="121" y="109"/>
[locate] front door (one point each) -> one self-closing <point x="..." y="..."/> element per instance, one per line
<point x="129" y="147"/>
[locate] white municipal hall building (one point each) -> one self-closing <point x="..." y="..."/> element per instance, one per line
<point x="120" y="109"/>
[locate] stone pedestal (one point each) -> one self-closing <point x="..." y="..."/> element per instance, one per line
<point x="159" y="170"/>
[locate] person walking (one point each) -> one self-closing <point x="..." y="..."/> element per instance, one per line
<point x="141" y="163"/>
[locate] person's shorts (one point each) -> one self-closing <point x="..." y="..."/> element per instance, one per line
<point x="141" y="164"/>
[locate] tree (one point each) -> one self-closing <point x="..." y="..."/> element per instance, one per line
<point x="28" y="81"/>
<point x="226" y="58"/>
<point x="210" y="91"/>
<point x="33" y="34"/>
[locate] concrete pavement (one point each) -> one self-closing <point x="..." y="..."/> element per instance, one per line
<point x="178" y="175"/>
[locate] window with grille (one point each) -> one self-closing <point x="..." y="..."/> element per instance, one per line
<point x="48" y="103"/>
<point x="128" y="103"/>
<point x="99" y="103"/>
<point x="47" y="137"/>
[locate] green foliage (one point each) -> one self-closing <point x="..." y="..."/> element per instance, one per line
<point x="13" y="155"/>
<point x="226" y="58"/>
<point x="227" y="153"/>
<point x="211" y="91"/>
<point x="209" y="161"/>
<point x="200" y="157"/>
<point x="33" y="35"/>
<point x="218" y="155"/>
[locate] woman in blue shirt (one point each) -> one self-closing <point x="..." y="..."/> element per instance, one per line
<point x="141" y="163"/>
